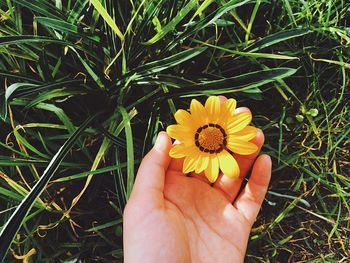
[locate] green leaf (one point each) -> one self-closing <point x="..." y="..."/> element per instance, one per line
<point x="173" y="23"/>
<point x="64" y="27"/>
<point x="105" y="225"/>
<point x="27" y="39"/>
<point x="277" y="38"/>
<point x="5" y="97"/>
<point x="102" y="11"/>
<point x="34" y="90"/>
<point x="19" y="162"/>
<point x="299" y="117"/>
<point x="241" y="83"/>
<point x="335" y="62"/>
<point x="207" y="21"/>
<point x="76" y="11"/>
<point x="165" y="63"/>
<point x="169" y="80"/>
<point x="61" y="115"/>
<point x="12" y="226"/>
<point x="25" y="89"/>
<point x="290" y="11"/>
<point x="56" y="93"/>
<point x="129" y="150"/>
<point x="202" y="7"/>
<point x="89" y="69"/>
<point x="17" y="76"/>
<point x="29" y="146"/>
<point x="251" y="21"/>
<point x="41" y="7"/>
<point x="16" y="197"/>
<point x="86" y="174"/>
<point x="22" y="191"/>
<point x="312" y="112"/>
<point x="247" y="54"/>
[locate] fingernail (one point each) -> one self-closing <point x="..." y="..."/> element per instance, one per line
<point x="268" y="159"/>
<point x="161" y="142"/>
<point x="222" y="98"/>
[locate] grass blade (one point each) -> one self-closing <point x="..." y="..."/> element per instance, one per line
<point x="173" y="23"/>
<point x="277" y="38"/>
<point x="41" y="7"/>
<point x="207" y="21"/>
<point x="102" y="11"/>
<point x="12" y="226"/>
<point x="129" y="150"/>
<point x="64" y="27"/>
<point x="9" y="91"/>
<point x="241" y="83"/>
<point x="162" y="64"/>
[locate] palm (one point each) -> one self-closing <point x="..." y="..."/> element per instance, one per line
<point x="204" y="222"/>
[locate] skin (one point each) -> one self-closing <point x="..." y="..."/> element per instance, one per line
<point x="171" y="217"/>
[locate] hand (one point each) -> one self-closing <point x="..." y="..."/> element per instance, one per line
<point x="171" y="217"/>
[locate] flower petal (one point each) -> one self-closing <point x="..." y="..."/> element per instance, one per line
<point x="212" y="105"/>
<point x="212" y="171"/>
<point x="230" y="104"/>
<point x="228" y="164"/>
<point x="180" y="132"/>
<point x="198" y="111"/>
<point x="241" y="147"/>
<point x="189" y="164"/>
<point x="202" y="164"/>
<point x="184" y="118"/>
<point x="238" y="122"/>
<point x="246" y="134"/>
<point x="179" y="151"/>
<point x="227" y="109"/>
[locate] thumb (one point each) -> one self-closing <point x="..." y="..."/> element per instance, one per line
<point x="151" y="173"/>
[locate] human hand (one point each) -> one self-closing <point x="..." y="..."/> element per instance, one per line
<point x="171" y="217"/>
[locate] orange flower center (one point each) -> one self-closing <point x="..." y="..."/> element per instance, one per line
<point x="211" y="138"/>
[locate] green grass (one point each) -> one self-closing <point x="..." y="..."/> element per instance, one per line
<point x="134" y="62"/>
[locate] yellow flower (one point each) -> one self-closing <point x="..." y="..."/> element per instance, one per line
<point x="209" y="135"/>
